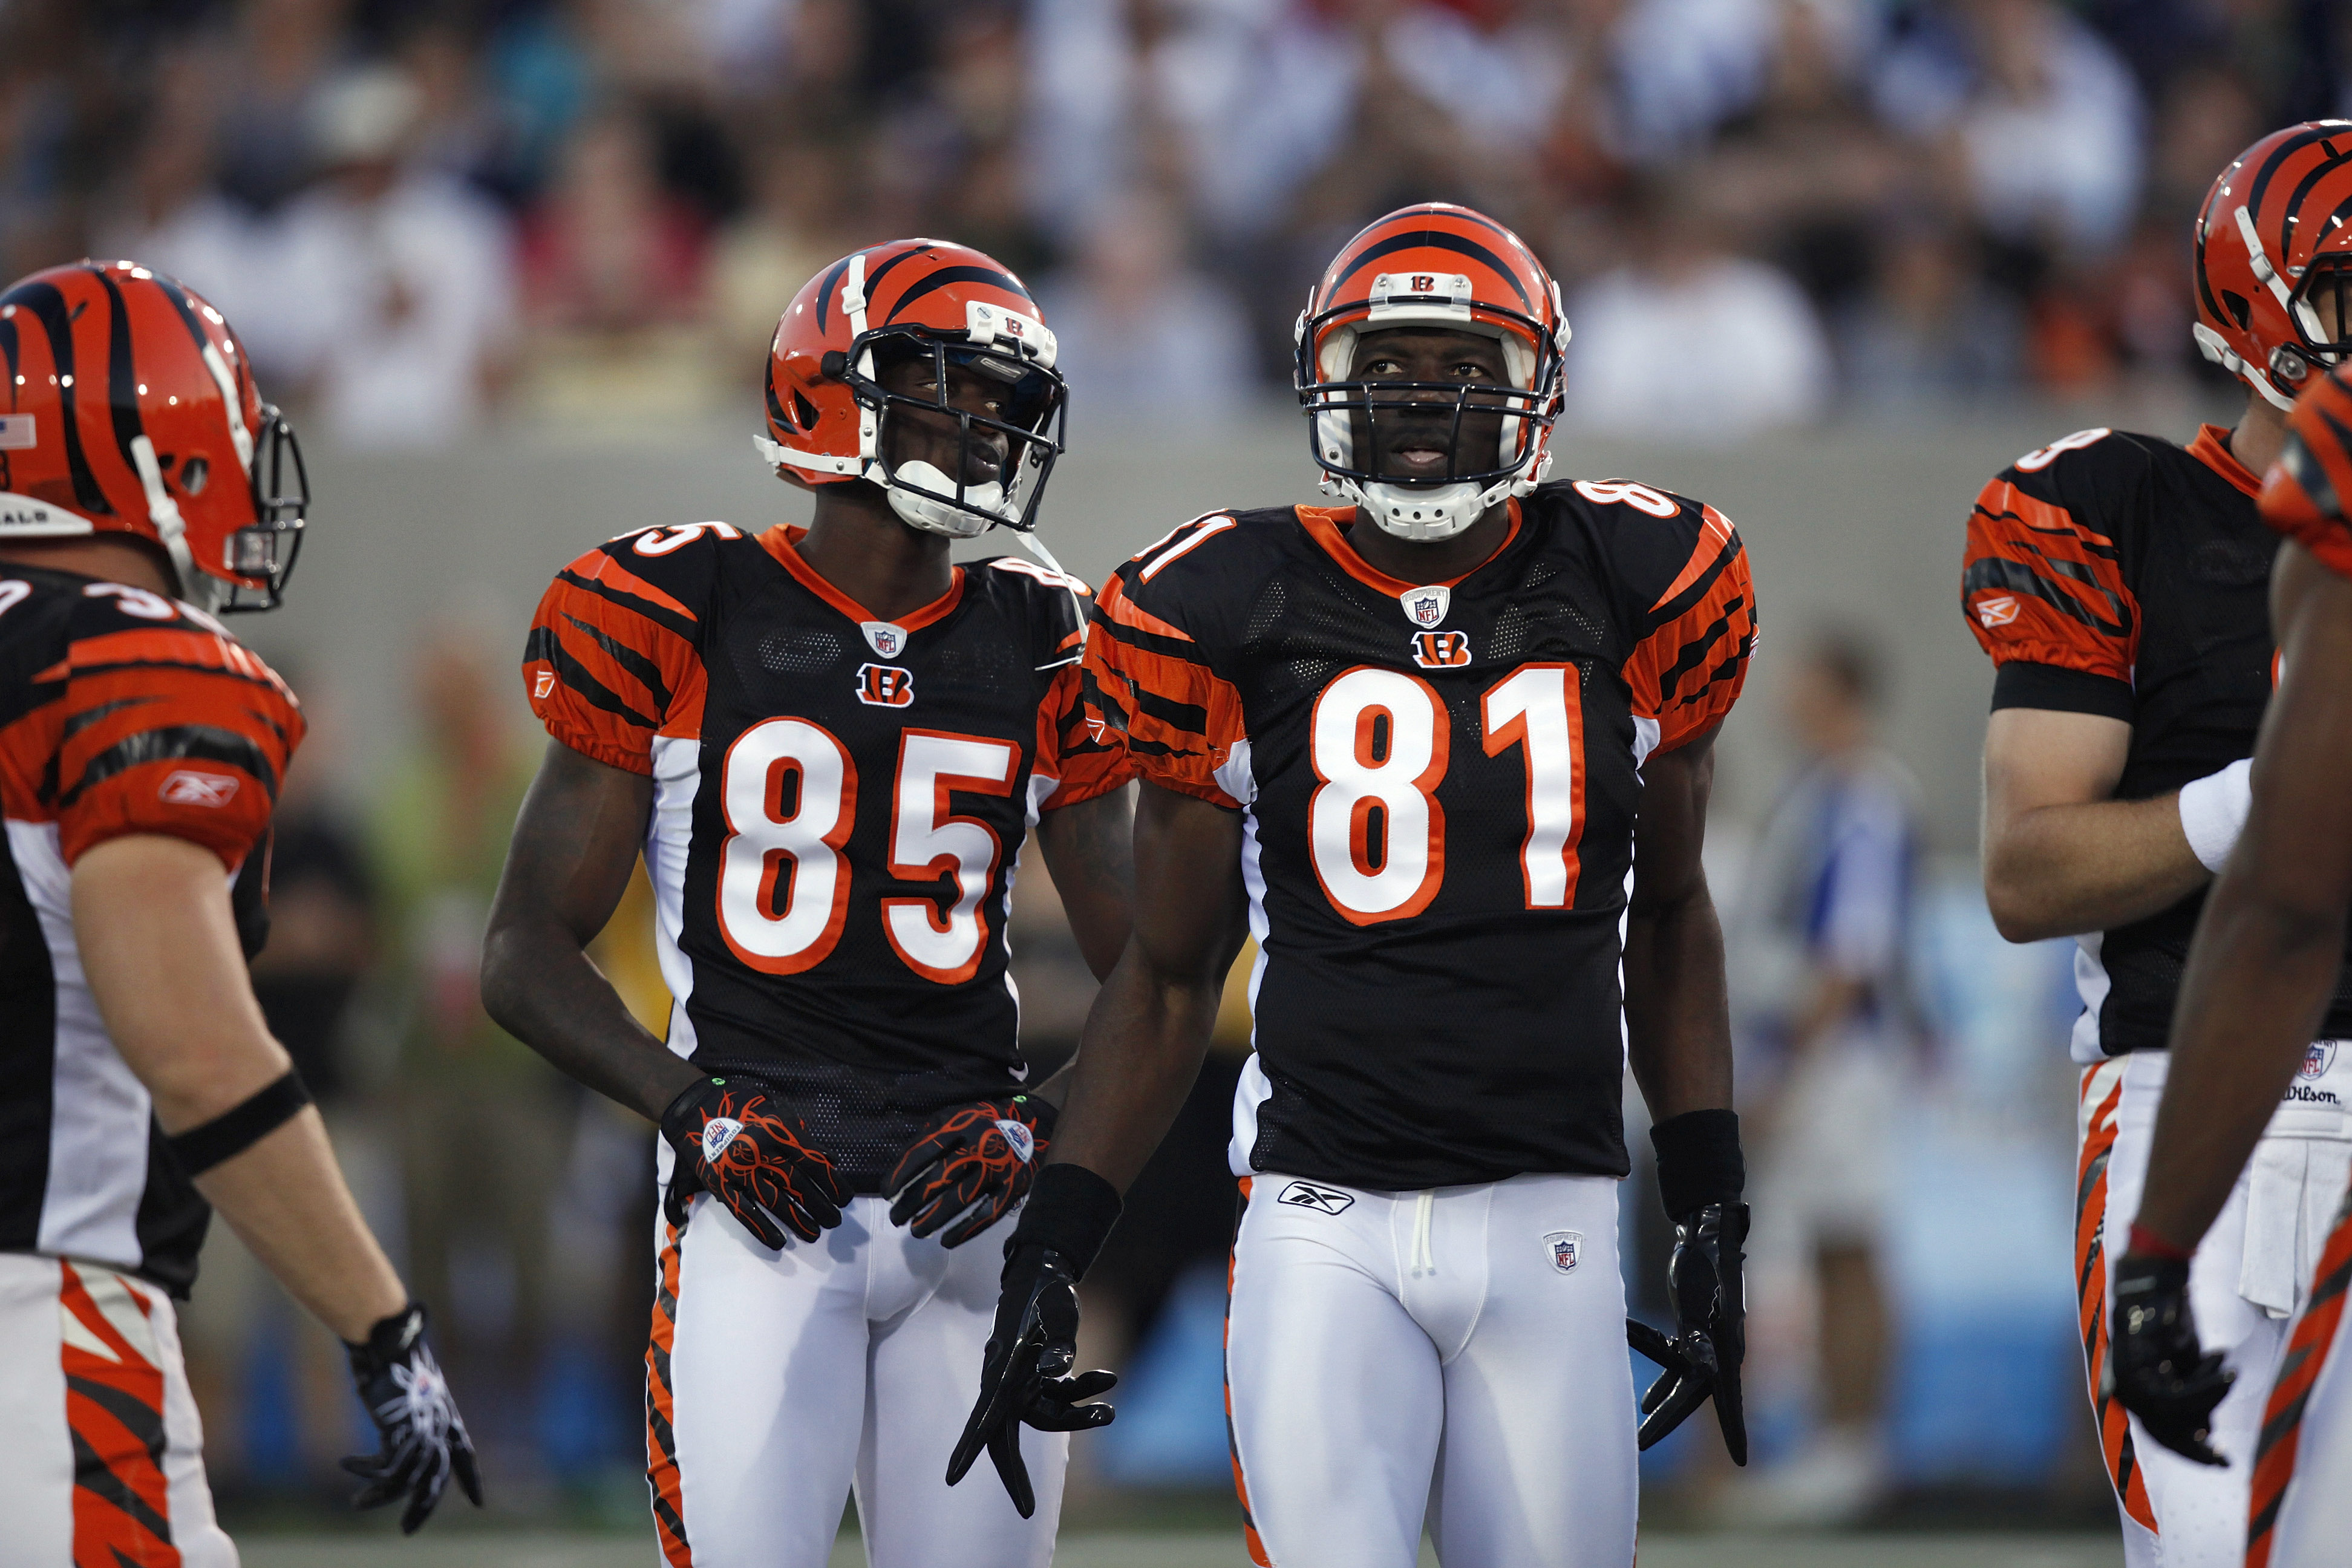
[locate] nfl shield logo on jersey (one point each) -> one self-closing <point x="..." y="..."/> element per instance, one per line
<point x="882" y="637"/>
<point x="1426" y="607"/>
<point x="2317" y="1057"/>
<point x="1564" y="1246"/>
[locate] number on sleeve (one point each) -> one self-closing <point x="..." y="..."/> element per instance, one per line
<point x="1538" y="706"/>
<point x="661" y="541"/>
<point x="1379" y="744"/>
<point x="1625" y="492"/>
<point x="789" y="791"/>
<point x="927" y="843"/>
<point x="2041" y="458"/>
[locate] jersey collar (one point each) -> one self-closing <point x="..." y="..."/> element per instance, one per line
<point x="779" y="541"/>
<point x="1323" y="525"/>
<point x="2212" y="449"/>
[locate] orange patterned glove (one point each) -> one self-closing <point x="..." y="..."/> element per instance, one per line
<point x="970" y="1167"/>
<point x="751" y="1153"/>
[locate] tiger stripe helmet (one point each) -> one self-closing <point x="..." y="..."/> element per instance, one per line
<point x="827" y="412"/>
<point x="2273" y="244"/>
<point x="132" y="409"/>
<point x="1433" y="265"/>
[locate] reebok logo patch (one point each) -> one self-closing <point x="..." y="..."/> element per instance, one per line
<point x="187" y="787"/>
<point x="1998" y="611"/>
<point x="1323" y="1200"/>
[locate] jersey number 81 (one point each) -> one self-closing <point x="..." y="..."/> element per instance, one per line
<point x="1379" y="741"/>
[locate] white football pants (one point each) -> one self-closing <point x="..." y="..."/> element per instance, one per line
<point x="1458" y="1354"/>
<point x="101" y="1456"/>
<point x="777" y="1381"/>
<point x="2249" y="1276"/>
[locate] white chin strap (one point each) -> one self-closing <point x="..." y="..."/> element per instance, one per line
<point x="1424" y="514"/>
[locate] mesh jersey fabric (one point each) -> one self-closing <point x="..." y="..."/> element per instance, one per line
<point x="1466" y="1027"/>
<point x="121" y="712"/>
<point x="839" y="804"/>
<point x="2127" y="576"/>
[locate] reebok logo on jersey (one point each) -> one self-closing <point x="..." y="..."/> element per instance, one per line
<point x="1565" y="1246"/>
<point x="186" y="787"/>
<point x="1441" y="651"/>
<point x="1997" y="612"/>
<point x="1323" y="1200"/>
<point x="887" y="640"/>
<point x="716" y="1134"/>
<point x="1024" y="1142"/>
<point x="885" y="686"/>
<point x="1426" y="607"/>
<point x="542" y="686"/>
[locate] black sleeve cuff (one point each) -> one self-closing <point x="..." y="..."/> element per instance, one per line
<point x="1069" y="1211"/>
<point x="1699" y="1160"/>
<point x="2062" y="690"/>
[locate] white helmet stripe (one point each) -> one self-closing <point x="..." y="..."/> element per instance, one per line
<point x="241" y="438"/>
<point x="2260" y="258"/>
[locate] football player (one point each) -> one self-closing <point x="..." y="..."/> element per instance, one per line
<point x="2257" y="989"/>
<point x="828" y="744"/>
<point x="2118" y="582"/>
<point x="144" y="484"/>
<point x="1446" y="750"/>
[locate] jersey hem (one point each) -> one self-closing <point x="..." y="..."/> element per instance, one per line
<point x="2057" y="688"/>
<point x="601" y="752"/>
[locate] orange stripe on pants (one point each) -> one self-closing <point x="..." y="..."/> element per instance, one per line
<point x="2091" y="1289"/>
<point x="114" y="1408"/>
<point x="2306" y="1355"/>
<point x="661" y="1439"/>
<point x="1233" y="1440"/>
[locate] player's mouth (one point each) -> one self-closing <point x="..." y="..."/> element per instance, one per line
<point x="1419" y="456"/>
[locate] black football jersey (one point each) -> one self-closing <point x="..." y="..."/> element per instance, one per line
<point x="2127" y="576"/>
<point x="1440" y="783"/>
<point x="838" y="805"/>
<point x="121" y="712"/>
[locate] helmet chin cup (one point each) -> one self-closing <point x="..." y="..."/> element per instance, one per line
<point x="1426" y="513"/>
<point x="916" y="491"/>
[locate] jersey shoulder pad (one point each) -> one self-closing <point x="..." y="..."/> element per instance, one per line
<point x="1200" y="575"/>
<point x="2093" y="473"/>
<point x="681" y="559"/>
<point x="1051" y="605"/>
<point x="1654" y="542"/>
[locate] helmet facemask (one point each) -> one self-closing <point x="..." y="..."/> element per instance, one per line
<point x="2321" y="309"/>
<point x="259" y="557"/>
<point x="1001" y="462"/>
<point x="1494" y="435"/>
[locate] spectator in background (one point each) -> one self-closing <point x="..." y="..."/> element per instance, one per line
<point x="1143" y="335"/>
<point x="484" y="1124"/>
<point x="395" y="281"/>
<point x="1688" y="341"/>
<point x="1930" y="337"/>
<point x="792" y="228"/>
<point x="613" y="284"/>
<point x="279" y="58"/>
<point x="2039" y="116"/>
<point x="1819" y="941"/>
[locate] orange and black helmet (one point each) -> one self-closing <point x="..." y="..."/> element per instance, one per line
<point x="1443" y="266"/>
<point x="130" y="408"/>
<point x="2273" y="245"/>
<point x="827" y="410"/>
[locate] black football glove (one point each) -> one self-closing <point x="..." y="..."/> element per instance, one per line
<point x="420" y="1440"/>
<point x="1710" y="1337"/>
<point x="970" y="1167"/>
<point x="1024" y="1375"/>
<point x="2154" y="1365"/>
<point x="751" y="1153"/>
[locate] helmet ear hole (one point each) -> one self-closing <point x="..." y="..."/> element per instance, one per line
<point x="804" y="412"/>
<point x="193" y="474"/>
<point x="2241" y="310"/>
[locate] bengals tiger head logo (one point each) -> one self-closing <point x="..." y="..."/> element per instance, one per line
<point x="885" y="686"/>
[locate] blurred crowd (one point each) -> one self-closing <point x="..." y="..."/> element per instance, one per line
<point x="587" y="214"/>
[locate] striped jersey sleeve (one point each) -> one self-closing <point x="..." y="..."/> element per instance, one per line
<point x="155" y="721"/>
<point x="2042" y="582"/>
<point x="1149" y="677"/>
<point x="613" y="658"/>
<point x="1087" y="757"/>
<point x="1691" y="662"/>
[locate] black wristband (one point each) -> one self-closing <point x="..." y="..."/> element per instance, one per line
<point x="1699" y="1160"/>
<point x="241" y="1126"/>
<point x="1070" y="1211"/>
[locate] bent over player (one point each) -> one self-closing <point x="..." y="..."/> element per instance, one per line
<point x="1417" y="745"/>
<point x="2258" y="988"/>
<point x="2118" y="582"/>
<point x="141" y="477"/>
<point x="828" y="744"/>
